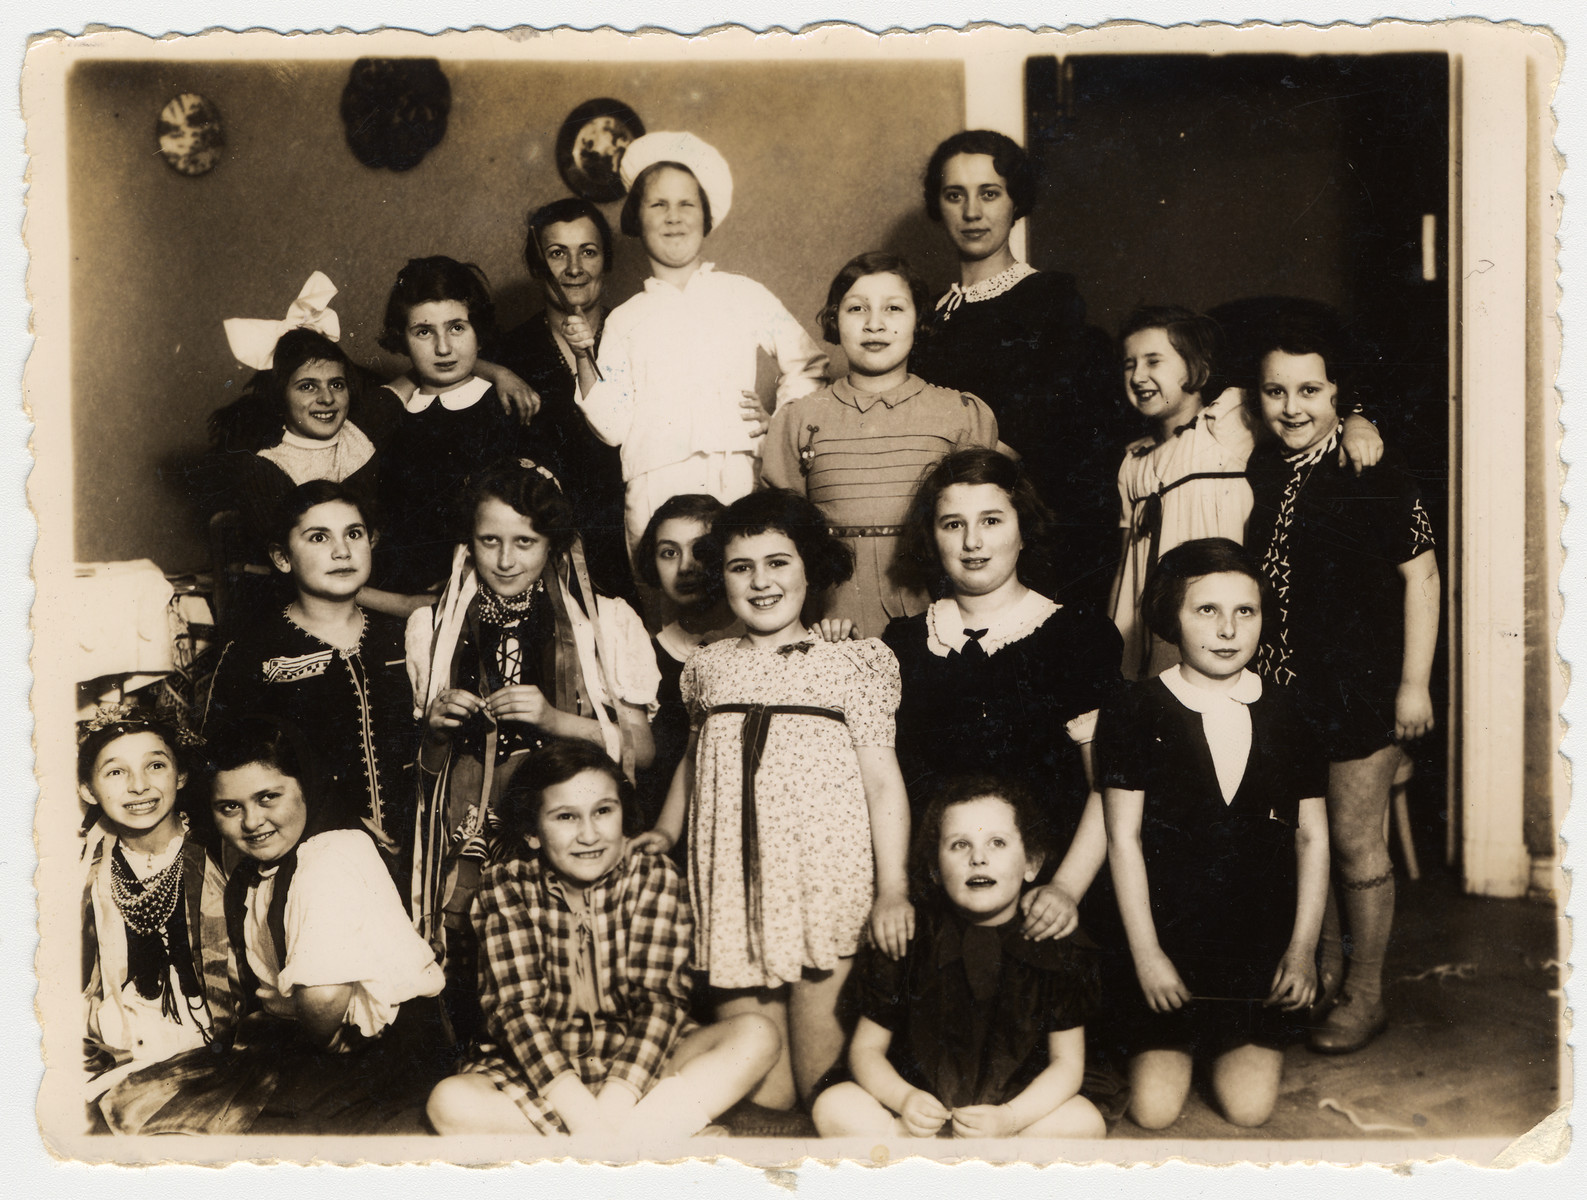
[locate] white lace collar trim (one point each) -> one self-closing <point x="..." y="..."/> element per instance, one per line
<point x="945" y="624"/>
<point x="1003" y="281"/>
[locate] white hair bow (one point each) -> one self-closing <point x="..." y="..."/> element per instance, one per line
<point x="253" y="340"/>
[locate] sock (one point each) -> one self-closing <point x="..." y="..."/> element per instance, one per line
<point x="1369" y="908"/>
<point x="674" y="1108"/>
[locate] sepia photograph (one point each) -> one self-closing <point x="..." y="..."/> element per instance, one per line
<point x="982" y="594"/>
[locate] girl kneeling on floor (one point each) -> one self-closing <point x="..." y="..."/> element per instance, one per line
<point x="1218" y="844"/>
<point x="584" y="951"/>
<point x="977" y="1026"/>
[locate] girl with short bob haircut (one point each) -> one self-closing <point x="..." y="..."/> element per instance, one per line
<point x="858" y="447"/>
<point x="1218" y="848"/>
<point x="798" y="821"/>
<point x="584" y="968"/>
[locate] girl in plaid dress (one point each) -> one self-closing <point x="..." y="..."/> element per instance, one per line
<point x="583" y="974"/>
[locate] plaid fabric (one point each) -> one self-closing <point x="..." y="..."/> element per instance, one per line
<point x="644" y="934"/>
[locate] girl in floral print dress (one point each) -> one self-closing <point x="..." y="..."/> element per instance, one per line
<point x="799" y="823"/>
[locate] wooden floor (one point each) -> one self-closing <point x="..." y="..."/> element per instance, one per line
<point x="1474" y="1053"/>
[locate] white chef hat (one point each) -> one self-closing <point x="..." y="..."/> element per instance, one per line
<point x="702" y="158"/>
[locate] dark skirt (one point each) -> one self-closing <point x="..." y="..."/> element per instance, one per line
<point x="272" y="1079"/>
<point x="1207" y="1026"/>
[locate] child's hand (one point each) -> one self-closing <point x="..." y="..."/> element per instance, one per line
<point x="892" y="924"/>
<point x="450" y="709"/>
<point x="1165" y="990"/>
<point x="517" y="397"/>
<point x="522" y="702"/>
<point x="983" y="1120"/>
<point x="1361" y="444"/>
<point x="580" y="336"/>
<point x="1050" y="912"/>
<point x="652" y="841"/>
<point x="834" y="629"/>
<point x="1295" y="981"/>
<point x="1413" y="712"/>
<point x="923" y="1114"/>
<point x="755" y="413"/>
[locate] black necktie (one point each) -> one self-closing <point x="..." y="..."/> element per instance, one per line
<point x="972" y="649"/>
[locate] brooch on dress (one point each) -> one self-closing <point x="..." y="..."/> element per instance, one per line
<point x="807" y="452"/>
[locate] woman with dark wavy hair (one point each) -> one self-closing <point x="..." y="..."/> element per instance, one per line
<point x="1017" y="338"/>
<point x="998" y="663"/>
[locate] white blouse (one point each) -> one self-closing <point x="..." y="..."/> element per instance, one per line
<point x="345" y="924"/>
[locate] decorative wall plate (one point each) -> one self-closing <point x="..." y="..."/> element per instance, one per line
<point x="395" y="110"/>
<point x="591" y="144"/>
<point x="190" y="134"/>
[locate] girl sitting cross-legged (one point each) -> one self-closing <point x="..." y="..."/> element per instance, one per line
<point x="583" y="976"/>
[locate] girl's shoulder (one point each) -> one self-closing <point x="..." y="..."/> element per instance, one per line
<point x="905" y="634"/>
<point x="652" y="873"/>
<point x="339" y="866"/>
<point x="868" y="655"/>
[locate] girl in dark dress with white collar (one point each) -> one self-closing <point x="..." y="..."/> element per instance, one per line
<point x="1218" y="847"/>
<point x="994" y="656"/>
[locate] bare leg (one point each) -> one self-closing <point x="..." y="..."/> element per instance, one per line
<point x="776" y="1090"/>
<point x="816" y="1036"/>
<point x="470" y="1103"/>
<point x="708" y="1072"/>
<point x="1159" y="1083"/>
<point x="1245" y="1082"/>
<point x="848" y="1110"/>
<point x="1076" y="1117"/>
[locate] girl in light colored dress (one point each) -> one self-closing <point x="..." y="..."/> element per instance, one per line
<point x="799" y="823"/>
<point x="1186" y="479"/>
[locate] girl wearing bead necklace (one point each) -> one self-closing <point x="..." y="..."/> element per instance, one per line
<point x="509" y="657"/>
<point x="151" y="902"/>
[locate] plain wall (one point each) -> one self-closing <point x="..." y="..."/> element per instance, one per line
<point x="826" y="160"/>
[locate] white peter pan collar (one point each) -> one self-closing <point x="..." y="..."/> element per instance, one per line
<point x="1225" y="720"/>
<point x="945" y="624"/>
<point x="463" y="396"/>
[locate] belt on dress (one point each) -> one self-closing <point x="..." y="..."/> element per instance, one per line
<point x="757" y="724"/>
<point x="858" y="531"/>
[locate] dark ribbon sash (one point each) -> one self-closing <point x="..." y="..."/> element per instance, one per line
<point x="757" y="725"/>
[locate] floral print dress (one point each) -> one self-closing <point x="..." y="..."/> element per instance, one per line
<point x="816" y="875"/>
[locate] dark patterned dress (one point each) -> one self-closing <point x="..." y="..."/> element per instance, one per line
<point x="1331" y="545"/>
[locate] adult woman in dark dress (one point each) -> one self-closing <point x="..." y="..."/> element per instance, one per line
<point x="568" y="250"/>
<point x="996" y="676"/>
<point x="1017" y="338"/>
